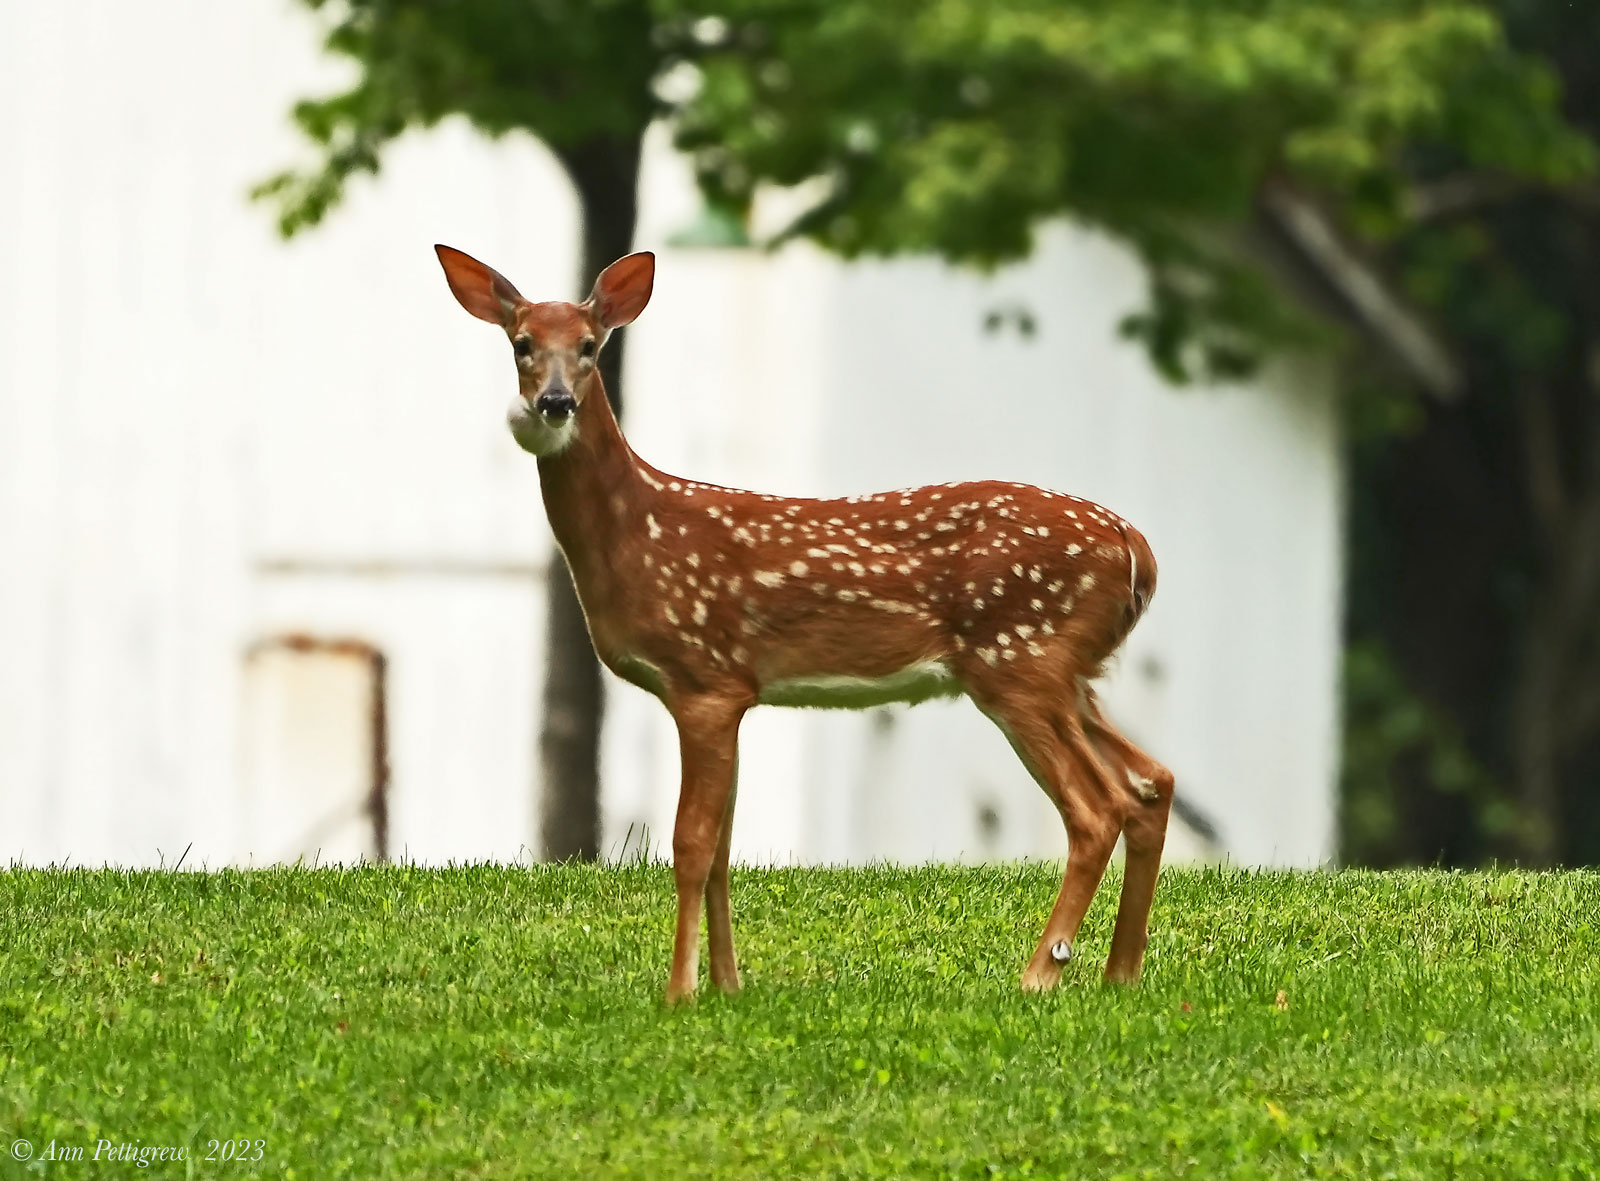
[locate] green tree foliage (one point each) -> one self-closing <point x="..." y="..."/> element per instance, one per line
<point x="956" y="126"/>
<point x="574" y="73"/>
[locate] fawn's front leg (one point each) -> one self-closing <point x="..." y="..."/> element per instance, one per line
<point x="708" y="736"/>
<point x="719" y="911"/>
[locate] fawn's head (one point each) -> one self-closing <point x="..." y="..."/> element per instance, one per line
<point x="556" y="345"/>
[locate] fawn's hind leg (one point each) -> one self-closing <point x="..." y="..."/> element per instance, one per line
<point x="1149" y="785"/>
<point x="1052" y="744"/>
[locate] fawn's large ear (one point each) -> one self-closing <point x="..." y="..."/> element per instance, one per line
<point x="623" y="289"/>
<point x="483" y="291"/>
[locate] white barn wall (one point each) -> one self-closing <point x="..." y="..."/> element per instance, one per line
<point x="879" y="375"/>
<point x="191" y="404"/>
<point x="116" y="609"/>
<point x="1226" y="485"/>
<point x="213" y="438"/>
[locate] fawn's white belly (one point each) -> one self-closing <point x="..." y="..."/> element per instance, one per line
<point x="914" y="683"/>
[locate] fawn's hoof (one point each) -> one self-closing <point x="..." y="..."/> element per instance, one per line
<point x="1040" y="981"/>
<point x="680" y="995"/>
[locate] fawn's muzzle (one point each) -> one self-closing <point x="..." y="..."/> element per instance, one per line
<point x="556" y="404"/>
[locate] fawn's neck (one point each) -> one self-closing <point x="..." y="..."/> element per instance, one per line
<point x="592" y="491"/>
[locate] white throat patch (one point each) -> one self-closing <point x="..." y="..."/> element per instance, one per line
<point x="536" y="436"/>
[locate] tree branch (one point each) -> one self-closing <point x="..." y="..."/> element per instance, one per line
<point x="1365" y="291"/>
<point x="1469" y="193"/>
<point x="1463" y="193"/>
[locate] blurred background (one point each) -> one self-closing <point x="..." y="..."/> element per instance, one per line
<point x="1309" y="291"/>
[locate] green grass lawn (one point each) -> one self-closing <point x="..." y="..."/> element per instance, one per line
<point x="492" y="1022"/>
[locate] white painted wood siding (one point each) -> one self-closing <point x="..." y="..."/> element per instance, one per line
<point x="208" y="438"/>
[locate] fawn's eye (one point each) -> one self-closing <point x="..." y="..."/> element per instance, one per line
<point x="586" y="350"/>
<point x="522" y="347"/>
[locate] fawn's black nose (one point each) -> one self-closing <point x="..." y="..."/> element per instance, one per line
<point x="557" y="404"/>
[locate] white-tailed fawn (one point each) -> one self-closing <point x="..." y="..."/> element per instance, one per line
<point x="716" y="599"/>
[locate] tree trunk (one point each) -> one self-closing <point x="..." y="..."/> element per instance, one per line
<point x="606" y="175"/>
<point x="1556" y="679"/>
<point x="1536" y="745"/>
